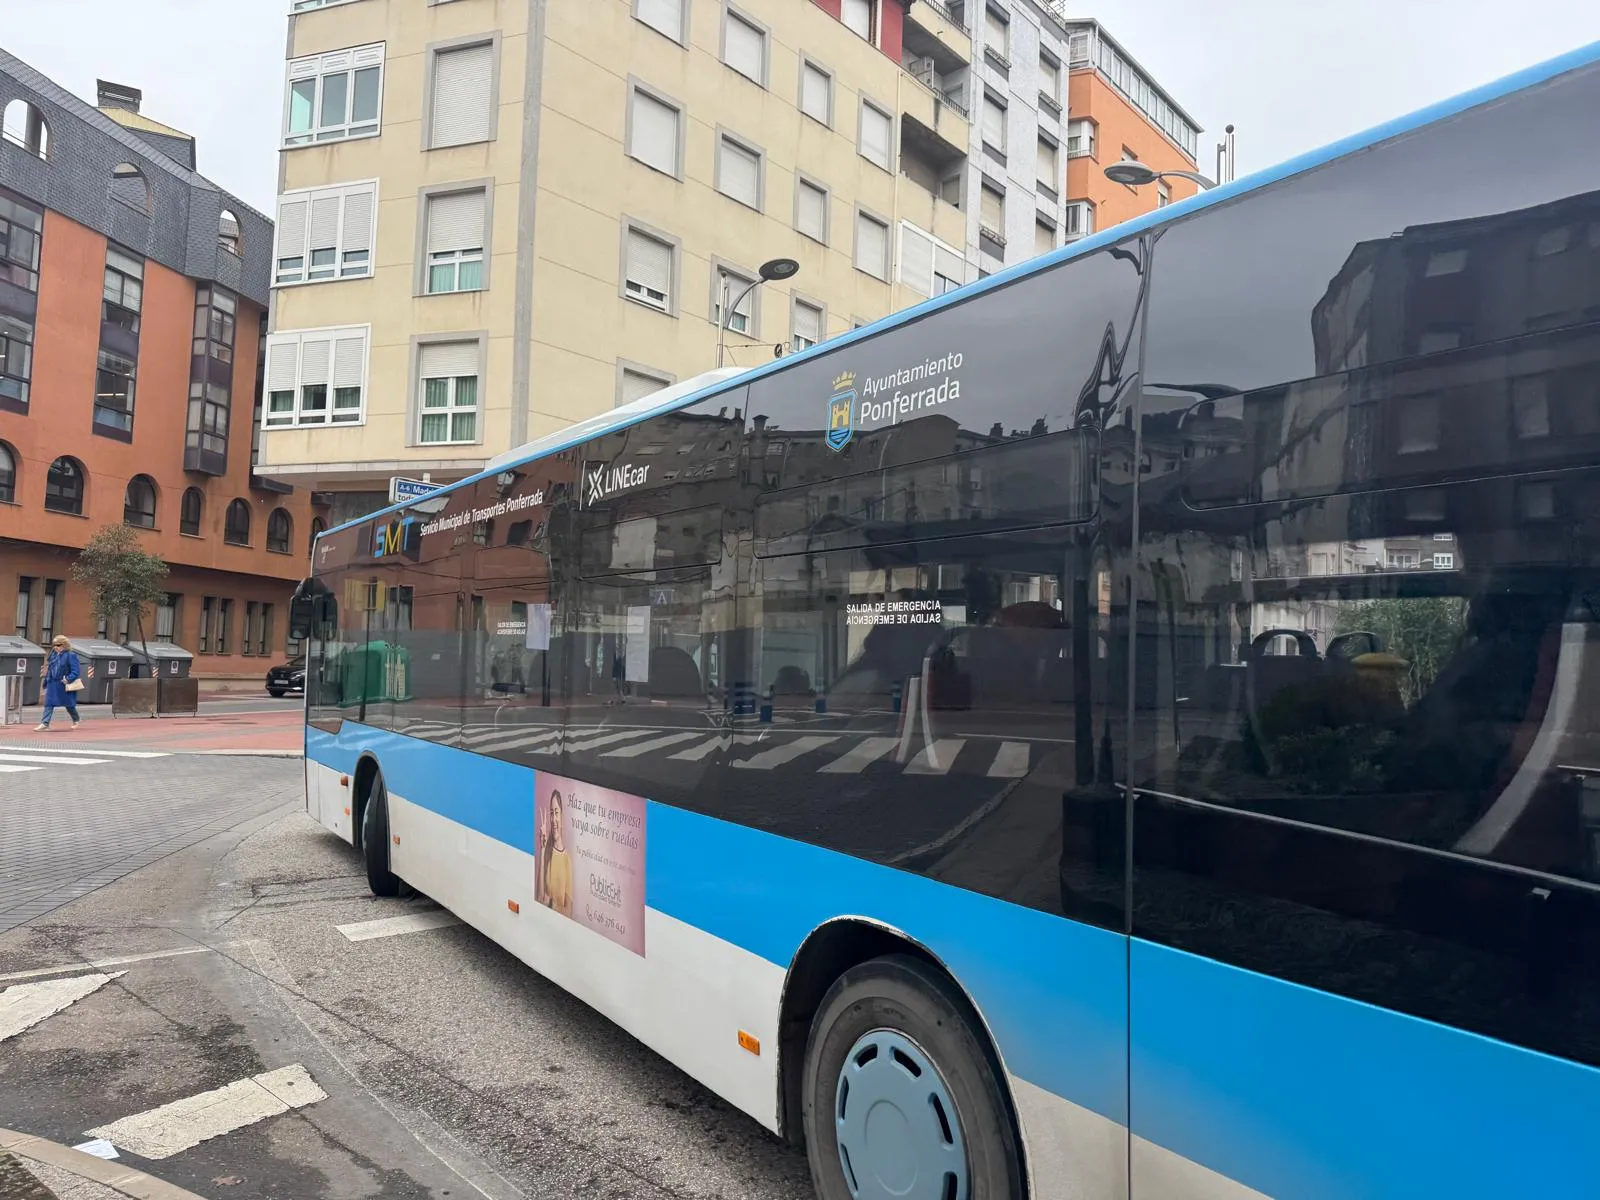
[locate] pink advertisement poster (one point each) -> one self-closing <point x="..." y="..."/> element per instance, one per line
<point x="589" y="856"/>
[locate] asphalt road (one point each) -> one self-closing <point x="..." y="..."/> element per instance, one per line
<point x="449" y="1069"/>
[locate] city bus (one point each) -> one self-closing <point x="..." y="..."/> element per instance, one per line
<point x="1125" y="728"/>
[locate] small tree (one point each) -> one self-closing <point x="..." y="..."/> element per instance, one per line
<point x="121" y="576"/>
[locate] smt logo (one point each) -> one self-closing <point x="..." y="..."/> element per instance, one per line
<point x="400" y="537"/>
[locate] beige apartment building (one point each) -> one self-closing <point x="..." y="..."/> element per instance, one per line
<point x="498" y="217"/>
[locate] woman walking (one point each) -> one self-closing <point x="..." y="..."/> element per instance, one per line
<point x="63" y="680"/>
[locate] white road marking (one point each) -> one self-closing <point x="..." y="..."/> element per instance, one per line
<point x="94" y="750"/>
<point x="365" y="931"/>
<point x="659" y="743"/>
<point x="779" y="755"/>
<point x="936" y="758"/>
<point x="589" y="743"/>
<point x="24" y="1005"/>
<point x="868" y="751"/>
<point x="1010" y="762"/>
<point x="5" y="770"/>
<point x="100" y="964"/>
<point x="51" y="759"/>
<point x="696" y="753"/>
<point x="524" y="739"/>
<point x="173" y="1128"/>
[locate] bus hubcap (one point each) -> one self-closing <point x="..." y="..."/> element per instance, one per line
<point x="898" y="1132"/>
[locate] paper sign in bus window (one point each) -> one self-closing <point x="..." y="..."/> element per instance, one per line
<point x="589" y="856"/>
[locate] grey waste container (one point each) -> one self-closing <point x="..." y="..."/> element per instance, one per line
<point x="162" y="660"/>
<point x="103" y="664"/>
<point x="19" y="656"/>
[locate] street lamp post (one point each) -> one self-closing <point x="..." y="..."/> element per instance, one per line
<point x="1136" y="174"/>
<point x="773" y="268"/>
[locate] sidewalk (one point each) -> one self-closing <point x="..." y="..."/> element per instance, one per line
<point x="278" y="732"/>
<point x="34" y="1169"/>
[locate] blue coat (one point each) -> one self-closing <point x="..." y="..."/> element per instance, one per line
<point x="61" y="669"/>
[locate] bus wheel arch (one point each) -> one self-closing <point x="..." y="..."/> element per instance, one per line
<point x="371" y="828"/>
<point x="361" y="781"/>
<point x="829" y="952"/>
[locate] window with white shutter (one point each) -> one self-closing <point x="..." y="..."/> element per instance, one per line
<point x="463" y="106"/>
<point x="738" y="172"/>
<point x="447" y="406"/>
<point x="876" y="134"/>
<point x="807" y="325"/>
<point x="326" y="233"/>
<point x="648" y="277"/>
<point x="916" y="258"/>
<point x="1044" y="238"/>
<point x="654" y="132"/>
<point x="1049" y="165"/>
<point x="636" y="385"/>
<point x="858" y="17"/>
<point x="872" y="246"/>
<point x="1049" y="78"/>
<point x="734" y="288"/>
<point x="1080" y="138"/>
<point x="816" y="93"/>
<point x="334" y="96"/>
<point x="811" y="211"/>
<point x="992" y="210"/>
<point x="949" y="269"/>
<point x="997" y="34"/>
<point x="315" y="377"/>
<point x="455" y="241"/>
<point x="994" y="123"/>
<point x="744" y="46"/>
<point x="664" y="16"/>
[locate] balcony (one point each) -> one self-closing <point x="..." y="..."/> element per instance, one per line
<point x="929" y="156"/>
<point x="934" y="121"/>
<point x="934" y="29"/>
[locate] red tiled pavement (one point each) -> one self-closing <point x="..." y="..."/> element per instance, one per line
<point x="276" y="732"/>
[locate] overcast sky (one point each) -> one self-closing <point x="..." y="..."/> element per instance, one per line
<point x="1291" y="74"/>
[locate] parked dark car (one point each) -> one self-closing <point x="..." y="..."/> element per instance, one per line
<point x="286" y="678"/>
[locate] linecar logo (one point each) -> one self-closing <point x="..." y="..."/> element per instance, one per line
<point x="604" y="481"/>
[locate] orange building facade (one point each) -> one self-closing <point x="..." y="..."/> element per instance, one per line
<point x="130" y="357"/>
<point x="1117" y="111"/>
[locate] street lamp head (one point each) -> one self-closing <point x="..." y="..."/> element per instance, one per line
<point x="1134" y="174"/>
<point x="779" y="268"/>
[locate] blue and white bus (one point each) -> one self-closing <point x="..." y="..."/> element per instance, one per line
<point x="1127" y="728"/>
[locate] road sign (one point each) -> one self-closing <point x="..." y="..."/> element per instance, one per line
<point x="401" y="488"/>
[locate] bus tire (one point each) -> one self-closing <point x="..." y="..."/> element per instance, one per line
<point x="894" y="1031"/>
<point x="375" y="840"/>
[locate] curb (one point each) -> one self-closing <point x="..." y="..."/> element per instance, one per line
<point x="245" y="753"/>
<point x="126" y="1180"/>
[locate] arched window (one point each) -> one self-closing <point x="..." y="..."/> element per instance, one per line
<point x="139" y="504"/>
<point x="8" y="475"/>
<point x="280" y="529"/>
<point x="23" y="125"/>
<point x="236" y="528"/>
<point x="63" y="486"/>
<point x="230" y="236"/>
<point x="130" y="187"/>
<point x="194" y="503"/>
<point x="318" y="528"/>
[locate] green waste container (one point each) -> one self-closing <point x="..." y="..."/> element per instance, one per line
<point x="376" y="673"/>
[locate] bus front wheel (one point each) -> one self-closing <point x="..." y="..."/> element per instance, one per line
<point x="901" y="1098"/>
<point x="375" y="841"/>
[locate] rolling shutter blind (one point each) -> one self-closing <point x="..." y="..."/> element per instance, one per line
<point x="1048" y="165"/>
<point x="1044" y="239"/>
<point x="740" y="173"/>
<point x="994" y="123"/>
<point x="349" y="359"/>
<point x="293" y="213"/>
<point x="324" y="220"/>
<point x="1049" y="77"/>
<point x="812" y="217"/>
<point x="950" y="264"/>
<point x="462" y="104"/>
<point x="992" y="210"/>
<point x="663" y="15"/>
<point x="858" y="17"/>
<point x="875" y="135"/>
<point x="316" y="360"/>
<point x="916" y="259"/>
<point x="636" y="386"/>
<point x="358" y="212"/>
<point x="872" y="246"/>
<point x="283" y="356"/>
<point x="455" y="222"/>
<point x="744" y="48"/>
<point x="446" y="360"/>
<point x="655" y="133"/>
<point x="814" y="87"/>
<point x="998" y="34"/>
<point x="808" y="323"/>
<point x="649" y="262"/>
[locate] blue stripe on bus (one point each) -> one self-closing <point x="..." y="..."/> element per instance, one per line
<point x="1300" y="1093"/>
<point x="1440" y="111"/>
<point x="1052" y="990"/>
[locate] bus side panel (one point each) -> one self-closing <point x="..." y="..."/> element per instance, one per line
<point x="1301" y="1093"/>
<point x="327" y="798"/>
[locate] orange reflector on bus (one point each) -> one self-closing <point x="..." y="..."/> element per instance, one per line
<point x="397" y="839"/>
<point x="347" y="812"/>
<point x="749" y="1042"/>
<point x="344" y="781"/>
<point x="513" y="906"/>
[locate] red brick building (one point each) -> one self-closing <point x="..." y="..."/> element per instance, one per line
<point x="132" y="300"/>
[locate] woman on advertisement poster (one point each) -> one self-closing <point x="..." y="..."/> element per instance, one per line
<point x="556" y="877"/>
